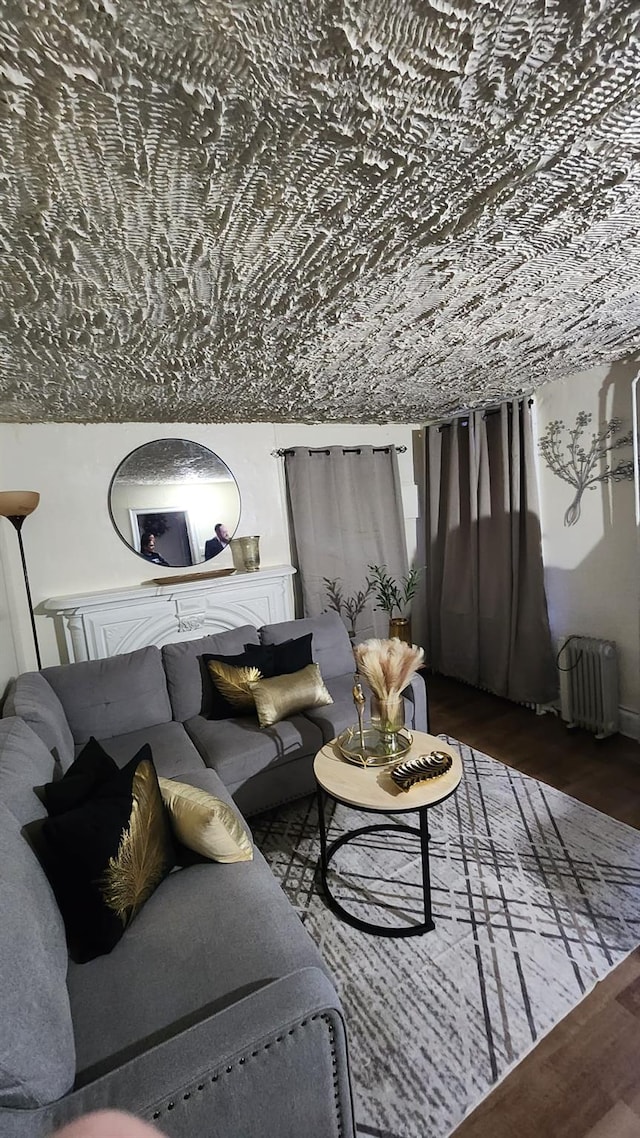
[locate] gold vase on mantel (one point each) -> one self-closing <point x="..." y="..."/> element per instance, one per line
<point x="400" y="628"/>
<point x="246" y="553"/>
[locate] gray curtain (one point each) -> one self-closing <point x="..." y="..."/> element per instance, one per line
<point x="486" y="605"/>
<point x="345" y="513"/>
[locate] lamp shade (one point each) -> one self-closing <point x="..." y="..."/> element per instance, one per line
<point x="18" y="503"/>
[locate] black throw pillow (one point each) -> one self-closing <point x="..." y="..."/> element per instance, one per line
<point x="280" y="659"/>
<point x="271" y="660"/>
<point x="92" y="767"/>
<point x="221" y="708"/>
<point x="105" y="857"/>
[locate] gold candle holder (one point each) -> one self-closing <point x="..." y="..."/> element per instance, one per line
<point x="246" y="553"/>
<point x="359" y="699"/>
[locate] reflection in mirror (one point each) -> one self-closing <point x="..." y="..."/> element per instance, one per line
<point x="174" y="502"/>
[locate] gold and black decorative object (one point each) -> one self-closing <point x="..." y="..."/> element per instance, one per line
<point x="407" y="774"/>
<point x="359" y="699"/>
<point x="375" y="752"/>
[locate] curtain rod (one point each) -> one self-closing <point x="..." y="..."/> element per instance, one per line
<point x="493" y="409"/>
<point x="282" y="451"/>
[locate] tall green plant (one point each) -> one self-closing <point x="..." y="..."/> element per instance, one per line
<point x="349" y="608"/>
<point x="391" y="594"/>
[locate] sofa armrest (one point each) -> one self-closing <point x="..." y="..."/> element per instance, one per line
<point x="416" y="692"/>
<point x="272" y="1065"/>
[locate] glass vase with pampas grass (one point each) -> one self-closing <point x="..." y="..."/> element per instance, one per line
<point x="388" y="666"/>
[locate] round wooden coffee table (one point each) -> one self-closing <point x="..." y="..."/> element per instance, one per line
<point x="371" y="789"/>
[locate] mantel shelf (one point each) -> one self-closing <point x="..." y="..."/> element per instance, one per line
<point x="107" y="622"/>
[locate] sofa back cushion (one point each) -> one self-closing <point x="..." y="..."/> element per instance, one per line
<point x="34" y="700"/>
<point x="330" y="646"/>
<point x="111" y="697"/>
<point x="25" y="762"/>
<point x="37" y="1049"/>
<point x="188" y="681"/>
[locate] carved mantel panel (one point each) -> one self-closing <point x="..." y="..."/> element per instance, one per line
<point x="102" y="624"/>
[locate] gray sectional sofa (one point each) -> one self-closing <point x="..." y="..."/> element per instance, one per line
<point x="214" y="1016"/>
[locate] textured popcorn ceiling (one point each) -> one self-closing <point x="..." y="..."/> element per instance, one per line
<point x="271" y="210"/>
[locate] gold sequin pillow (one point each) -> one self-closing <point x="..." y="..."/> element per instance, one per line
<point x="205" y="823"/>
<point x="234" y="683"/>
<point x="281" y="696"/>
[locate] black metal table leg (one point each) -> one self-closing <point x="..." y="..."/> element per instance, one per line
<point x="322" y="826"/>
<point x="426" y="872"/>
<point x="327" y="852"/>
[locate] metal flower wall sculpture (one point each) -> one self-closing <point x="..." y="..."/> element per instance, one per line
<point x="572" y="461"/>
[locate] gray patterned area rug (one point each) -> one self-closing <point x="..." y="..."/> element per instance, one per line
<point x="535" y="898"/>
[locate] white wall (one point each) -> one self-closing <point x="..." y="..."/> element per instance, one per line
<point x="592" y="568"/>
<point x="70" y="543"/>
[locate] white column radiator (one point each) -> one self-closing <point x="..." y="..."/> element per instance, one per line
<point x="589" y="684"/>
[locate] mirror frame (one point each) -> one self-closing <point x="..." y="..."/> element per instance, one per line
<point x="132" y="512"/>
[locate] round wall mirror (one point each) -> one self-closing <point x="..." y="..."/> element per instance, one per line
<point x="174" y="502"/>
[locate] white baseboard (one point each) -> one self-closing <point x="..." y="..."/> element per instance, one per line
<point x="630" y="723"/>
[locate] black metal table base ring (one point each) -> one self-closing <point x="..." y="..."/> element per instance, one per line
<point x="327" y="852"/>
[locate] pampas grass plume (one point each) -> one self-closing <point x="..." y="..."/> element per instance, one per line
<point x="388" y="665"/>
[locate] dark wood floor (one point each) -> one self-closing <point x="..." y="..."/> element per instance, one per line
<point x="583" y="1079"/>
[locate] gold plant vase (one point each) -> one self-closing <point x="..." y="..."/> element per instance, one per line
<point x="400" y="628"/>
<point x="387" y="716"/>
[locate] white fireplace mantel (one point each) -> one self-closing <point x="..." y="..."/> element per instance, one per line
<point x="105" y="623"/>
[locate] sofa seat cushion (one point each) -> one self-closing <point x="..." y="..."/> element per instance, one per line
<point x="208" y="936"/>
<point x="272" y="788"/>
<point x="112" y="696"/>
<point x="34" y="700"/>
<point x="238" y="749"/>
<point x="188" y="681"/>
<point x="172" y="749"/>
<point x="330" y="645"/>
<point x="37" y="1051"/>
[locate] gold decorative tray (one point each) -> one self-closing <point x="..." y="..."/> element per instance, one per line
<point x="177" y="580"/>
<point x="377" y="750"/>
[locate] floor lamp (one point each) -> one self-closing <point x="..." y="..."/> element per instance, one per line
<point x="16" y="505"/>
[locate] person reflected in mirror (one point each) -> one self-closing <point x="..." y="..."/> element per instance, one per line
<point x="148" y="549"/>
<point x="216" y="544"/>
